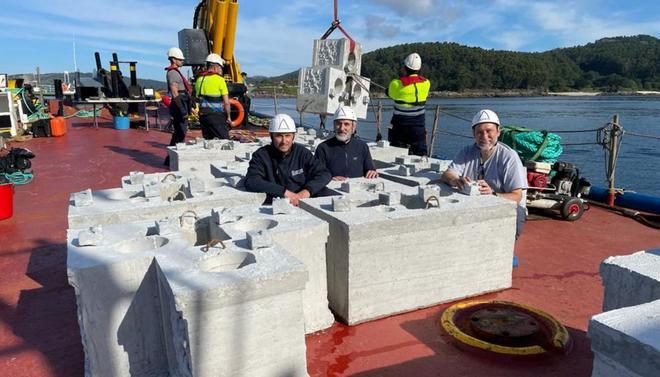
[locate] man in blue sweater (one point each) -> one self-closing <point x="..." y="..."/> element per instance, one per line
<point x="345" y="155"/>
<point x="284" y="168"/>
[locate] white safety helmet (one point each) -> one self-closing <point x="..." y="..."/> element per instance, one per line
<point x="413" y="61"/>
<point x="345" y="112"/>
<point x="485" y="116"/>
<point x="215" y="59"/>
<point x="282" y="123"/>
<point x="175" y="52"/>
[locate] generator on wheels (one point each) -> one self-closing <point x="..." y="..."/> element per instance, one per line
<point x="557" y="186"/>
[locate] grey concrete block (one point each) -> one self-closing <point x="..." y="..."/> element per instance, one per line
<point x="341" y="204"/>
<point x="136" y="177"/>
<point x="626" y="341"/>
<point x="389" y="198"/>
<point x="385" y="259"/>
<point x="631" y="279"/>
<point x="83" y="198"/>
<point x="282" y="206"/>
<point x="471" y="189"/>
<point x="258" y="239"/>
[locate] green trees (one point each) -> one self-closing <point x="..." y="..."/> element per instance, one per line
<point x="609" y="64"/>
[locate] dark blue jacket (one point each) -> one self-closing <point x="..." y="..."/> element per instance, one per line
<point x="351" y="159"/>
<point x="272" y="173"/>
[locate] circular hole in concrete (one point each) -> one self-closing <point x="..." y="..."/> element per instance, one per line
<point x="352" y="62"/>
<point x="339" y="86"/>
<point x="141" y="244"/>
<point x="246" y="225"/>
<point x="357" y="93"/>
<point x="228" y="261"/>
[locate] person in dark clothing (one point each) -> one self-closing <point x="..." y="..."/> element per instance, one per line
<point x="345" y="155"/>
<point x="285" y="169"/>
<point x="180" y="90"/>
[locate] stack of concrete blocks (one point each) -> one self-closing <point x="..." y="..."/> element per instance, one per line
<point x="149" y="304"/>
<point x="625" y="338"/>
<point x="198" y="156"/>
<point x="384" y="155"/>
<point x="333" y="79"/>
<point x="298" y="233"/>
<point x="415" y="170"/>
<point x="396" y="251"/>
<point x="150" y="196"/>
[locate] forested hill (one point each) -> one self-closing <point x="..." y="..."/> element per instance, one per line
<point x="609" y="64"/>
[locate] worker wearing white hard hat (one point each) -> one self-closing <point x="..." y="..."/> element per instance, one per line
<point x="409" y="92"/>
<point x="284" y="168"/>
<point x="493" y="167"/>
<point x="180" y="91"/>
<point x="213" y="97"/>
<point x="346" y="155"/>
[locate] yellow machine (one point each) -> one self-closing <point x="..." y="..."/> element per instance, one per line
<point x="214" y="31"/>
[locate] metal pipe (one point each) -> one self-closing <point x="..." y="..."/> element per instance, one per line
<point x="230" y="32"/>
<point x="614" y="150"/>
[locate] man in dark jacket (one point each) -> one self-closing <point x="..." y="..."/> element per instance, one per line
<point x="345" y="155"/>
<point x="285" y="169"/>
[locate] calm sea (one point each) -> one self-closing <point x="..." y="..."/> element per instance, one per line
<point x="638" y="166"/>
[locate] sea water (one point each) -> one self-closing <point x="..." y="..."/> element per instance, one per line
<point x="638" y="165"/>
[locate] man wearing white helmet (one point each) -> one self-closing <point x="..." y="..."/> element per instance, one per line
<point x="409" y="92"/>
<point x="345" y="155"/>
<point x="494" y="166"/>
<point x="284" y="168"/>
<point x="213" y="96"/>
<point x="180" y="91"/>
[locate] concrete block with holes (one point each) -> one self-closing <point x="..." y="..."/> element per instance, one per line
<point x="361" y="184"/>
<point x="336" y="53"/>
<point x="415" y="170"/>
<point x="197" y="158"/>
<point x="296" y="231"/>
<point x="386" y="258"/>
<point x="160" y="195"/>
<point x="155" y="304"/>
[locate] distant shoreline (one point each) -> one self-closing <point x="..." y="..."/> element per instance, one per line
<point x="508" y="93"/>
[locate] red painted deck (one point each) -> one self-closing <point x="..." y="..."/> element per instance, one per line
<point x="39" y="334"/>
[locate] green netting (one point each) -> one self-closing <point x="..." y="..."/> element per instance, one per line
<point x="532" y="145"/>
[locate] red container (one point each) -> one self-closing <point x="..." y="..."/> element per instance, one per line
<point x="58" y="126"/>
<point x="6" y="201"/>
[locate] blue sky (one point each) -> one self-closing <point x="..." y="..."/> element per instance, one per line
<point x="276" y="37"/>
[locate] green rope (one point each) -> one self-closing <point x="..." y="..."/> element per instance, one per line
<point x="84" y="114"/>
<point x="19" y="178"/>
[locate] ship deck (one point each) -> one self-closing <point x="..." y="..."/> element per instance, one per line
<point x="39" y="333"/>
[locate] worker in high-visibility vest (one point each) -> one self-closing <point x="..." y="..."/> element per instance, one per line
<point x="409" y="92"/>
<point x="213" y="97"/>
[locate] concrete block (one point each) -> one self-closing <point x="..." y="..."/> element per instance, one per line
<point x="358" y="185"/>
<point x="384" y="155"/>
<point x="382" y="144"/>
<point x="386" y="259"/>
<point x="406" y="170"/>
<point x="299" y="234"/>
<point x="389" y="198"/>
<point x="168" y="226"/>
<point x="258" y="239"/>
<point x="136" y="177"/>
<point x="631" y="279"/>
<point x="282" y="206"/>
<point x="198" y="158"/>
<point x="83" y="198"/>
<point x="341" y="204"/>
<point x="196" y="184"/>
<point x="233" y="312"/>
<point x="336" y="53"/>
<point x="439" y="166"/>
<point x="471" y="189"/>
<point x="426" y="192"/>
<point x="197" y="303"/>
<point x="320" y="90"/>
<point x="626" y="341"/>
<point x="181" y="146"/>
<point x="115" y="206"/>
